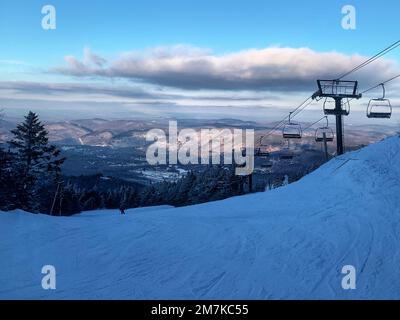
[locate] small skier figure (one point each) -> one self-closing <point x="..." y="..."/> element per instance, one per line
<point x="122" y="209"/>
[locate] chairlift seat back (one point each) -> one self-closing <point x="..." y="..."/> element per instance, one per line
<point x="379" y="109"/>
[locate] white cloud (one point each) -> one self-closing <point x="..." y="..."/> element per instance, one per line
<point x="273" y="68"/>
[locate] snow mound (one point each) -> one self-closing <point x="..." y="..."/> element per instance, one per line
<point x="289" y="243"/>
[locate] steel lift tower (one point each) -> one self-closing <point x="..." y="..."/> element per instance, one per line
<point x="338" y="90"/>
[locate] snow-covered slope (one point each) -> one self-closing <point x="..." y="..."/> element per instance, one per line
<point x="291" y="242"/>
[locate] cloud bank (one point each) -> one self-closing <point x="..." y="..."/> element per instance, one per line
<point x="272" y="69"/>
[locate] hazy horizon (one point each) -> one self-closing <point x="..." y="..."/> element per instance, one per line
<point x="114" y="62"/>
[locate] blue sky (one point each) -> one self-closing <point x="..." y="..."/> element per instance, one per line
<point x="107" y="29"/>
<point x="120" y="25"/>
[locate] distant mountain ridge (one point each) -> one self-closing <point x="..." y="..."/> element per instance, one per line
<point x="130" y="132"/>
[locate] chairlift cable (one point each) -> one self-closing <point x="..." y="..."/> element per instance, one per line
<point x="378" y="85"/>
<point x="313" y="124"/>
<point x="300" y="110"/>
<point x="365" y="91"/>
<point x="280" y="123"/>
<point x="304" y="104"/>
<point x="384" y="82"/>
<point x="372" y="59"/>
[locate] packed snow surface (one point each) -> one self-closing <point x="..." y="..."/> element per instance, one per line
<point x="287" y="243"/>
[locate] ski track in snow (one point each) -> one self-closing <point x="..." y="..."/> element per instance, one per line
<point x="289" y="243"/>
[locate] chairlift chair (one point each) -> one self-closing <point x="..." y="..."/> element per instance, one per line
<point x="292" y="130"/>
<point x="327" y="131"/>
<point x="330" y="107"/>
<point x="268" y="164"/>
<point x="260" y="152"/>
<point x="286" y="153"/>
<point x="380" y="108"/>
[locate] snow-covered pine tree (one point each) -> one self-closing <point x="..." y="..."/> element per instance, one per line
<point x="36" y="161"/>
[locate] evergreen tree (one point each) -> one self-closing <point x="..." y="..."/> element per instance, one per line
<point x="183" y="189"/>
<point x="59" y="200"/>
<point x="8" y="182"/>
<point x="134" y="198"/>
<point x="146" y="198"/>
<point x="91" y="200"/>
<point x="35" y="160"/>
<point x="69" y="202"/>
